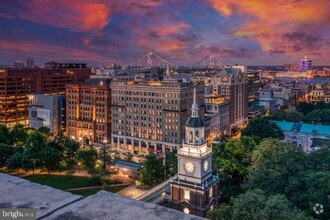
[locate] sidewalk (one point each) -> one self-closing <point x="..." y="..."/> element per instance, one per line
<point x="131" y="192"/>
<point x="96" y="187"/>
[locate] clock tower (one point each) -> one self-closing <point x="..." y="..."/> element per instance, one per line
<point x="194" y="190"/>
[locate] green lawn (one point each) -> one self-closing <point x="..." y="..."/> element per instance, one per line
<point x="89" y="192"/>
<point x="61" y="182"/>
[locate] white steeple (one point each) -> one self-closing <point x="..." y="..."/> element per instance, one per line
<point x="194" y="107"/>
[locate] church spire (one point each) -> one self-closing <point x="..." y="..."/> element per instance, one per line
<point x="194" y="107"/>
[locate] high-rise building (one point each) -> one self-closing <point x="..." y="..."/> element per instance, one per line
<point x="149" y="117"/>
<point x="16" y="86"/>
<point x="253" y="86"/>
<point x="30" y="63"/>
<point x="18" y="64"/>
<point x="47" y="111"/>
<point x="232" y="84"/>
<point x="305" y="64"/>
<point x="194" y="189"/>
<point x="218" y="109"/>
<point x="88" y="110"/>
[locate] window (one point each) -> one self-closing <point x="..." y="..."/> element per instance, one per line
<point x="186" y="194"/>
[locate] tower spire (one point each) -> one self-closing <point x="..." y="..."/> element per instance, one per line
<point x="194" y="107"/>
<point x="168" y="72"/>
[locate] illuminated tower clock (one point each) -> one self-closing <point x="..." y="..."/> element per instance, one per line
<point x="194" y="190"/>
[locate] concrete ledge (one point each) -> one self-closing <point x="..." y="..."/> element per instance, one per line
<point x="21" y="193"/>
<point x="106" y="205"/>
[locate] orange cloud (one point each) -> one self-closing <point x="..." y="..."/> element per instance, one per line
<point x="83" y="15"/>
<point x="267" y="21"/>
<point x="171" y="29"/>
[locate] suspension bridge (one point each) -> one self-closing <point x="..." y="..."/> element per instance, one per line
<point x="151" y="59"/>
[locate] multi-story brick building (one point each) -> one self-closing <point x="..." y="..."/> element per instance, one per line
<point x="218" y="109"/>
<point x="232" y="84"/>
<point x="88" y="110"/>
<point x="16" y="86"/>
<point x="150" y="116"/>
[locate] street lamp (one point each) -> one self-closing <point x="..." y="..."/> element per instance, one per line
<point x="79" y="166"/>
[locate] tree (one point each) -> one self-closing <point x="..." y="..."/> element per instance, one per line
<point x="262" y="128"/>
<point x="18" y="134"/>
<point x="232" y="159"/>
<point x="273" y="162"/>
<point x="256" y="205"/>
<point x="70" y="149"/>
<point x="88" y="158"/>
<point x="34" y="145"/>
<point x="307" y="189"/>
<point x="304" y="107"/>
<point x="50" y="158"/>
<point x="14" y="161"/>
<point x="44" y="130"/>
<point x="4" y="135"/>
<point x="321" y="116"/>
<point x="5" y="152"/>
<point x="319" y="160"/>
<point x="152" y="171"/>
<point x="171" y="164"/>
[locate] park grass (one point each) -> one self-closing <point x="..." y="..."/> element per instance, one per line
<point x="61" y="182"/>
<point x="89" y="192"/>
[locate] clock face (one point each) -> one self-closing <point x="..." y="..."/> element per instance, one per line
<point x="189" y="167"/>
<point x="206" y="165"/>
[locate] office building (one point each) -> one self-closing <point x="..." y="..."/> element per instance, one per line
<point x="232" y="84"/>
<point x="218" y="109"/>
<point x="47" y="111"/>
<point x="149" y="117"/>
<point x="30" y="63"/>
<point x="194" y="190"/>
<point x="253" y="87"/>
<point x="16" y="86"/>
<point x="88" y="110"/>
<point x="18" y="64"/>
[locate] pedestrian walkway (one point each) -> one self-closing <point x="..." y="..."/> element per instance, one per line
<point x="131" y="192"/>
<point x="96" y="187"/>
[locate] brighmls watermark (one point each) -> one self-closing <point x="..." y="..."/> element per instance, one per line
<point x="17" y="213"/>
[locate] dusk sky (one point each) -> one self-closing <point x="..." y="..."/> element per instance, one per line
<point x="245" y="32"/>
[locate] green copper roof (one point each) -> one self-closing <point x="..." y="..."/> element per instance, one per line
<point x="284" y="125"/>
<point x="304" y="127"/>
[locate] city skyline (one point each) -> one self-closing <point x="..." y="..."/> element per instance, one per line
<point x="101" y="32"/>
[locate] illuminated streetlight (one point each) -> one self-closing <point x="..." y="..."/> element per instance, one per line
<point x="79" y="166"/>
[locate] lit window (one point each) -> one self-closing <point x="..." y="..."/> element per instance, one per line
<point x="186" y="195"/>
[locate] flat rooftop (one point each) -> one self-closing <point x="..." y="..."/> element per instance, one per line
<point x="54" y="204"/>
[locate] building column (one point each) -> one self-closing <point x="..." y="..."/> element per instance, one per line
<point x="133" y="145"/>
<point x="163" y="148"/>
<point x="112" y="142"/>
<point x="125" y="143"/>
<point x="118" y="144"/>
<point x="171" y="148"/>
<point x="155" y="149"/>
<point x="140" y="147"/>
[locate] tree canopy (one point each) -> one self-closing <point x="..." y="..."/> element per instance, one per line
<point x="262" y="128"/>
